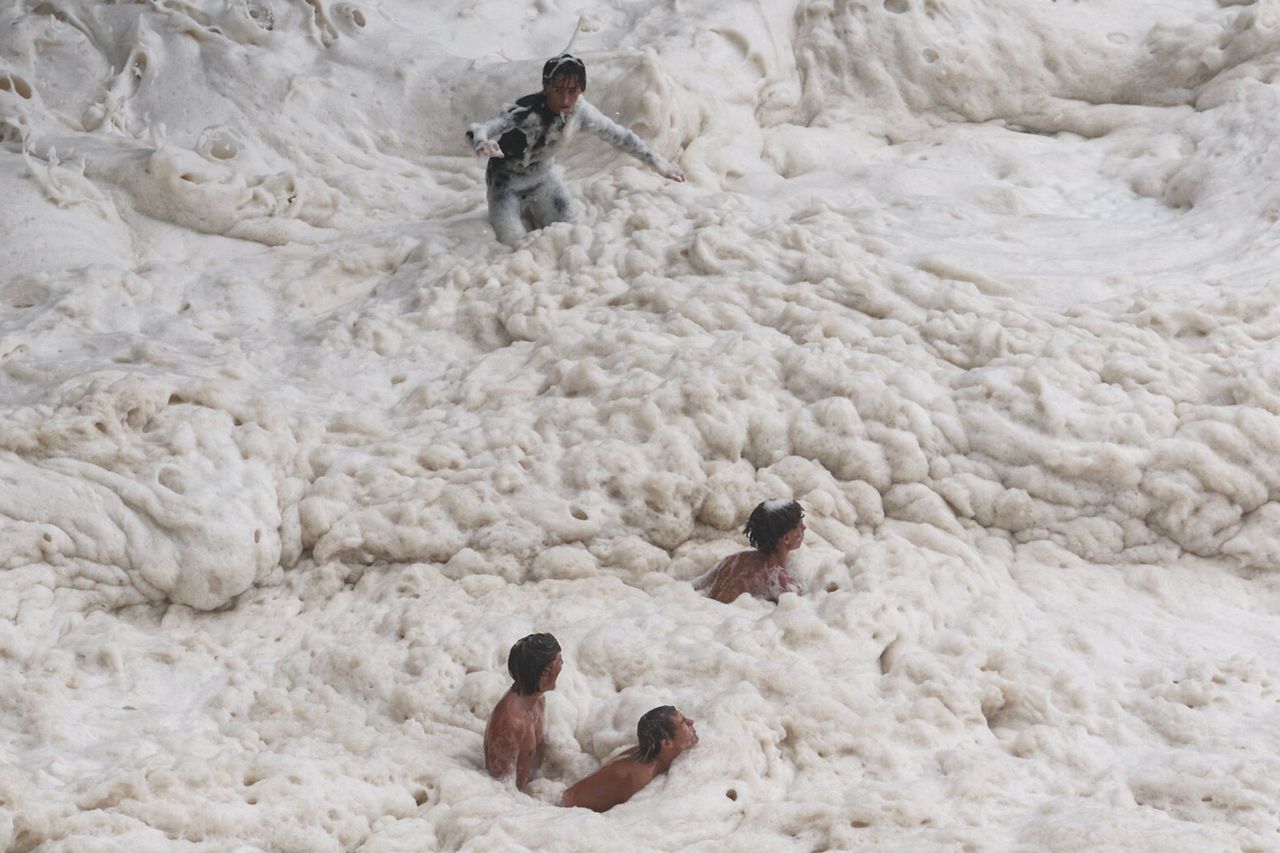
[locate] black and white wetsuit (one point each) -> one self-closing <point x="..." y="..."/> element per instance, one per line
<point x="529" y="134"/>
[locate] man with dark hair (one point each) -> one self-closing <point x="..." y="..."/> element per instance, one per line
<point x="775" y="528"/>
<point x="663" y="733"/>
<point x="522" y="141"/>
<point x="513" y="737"/>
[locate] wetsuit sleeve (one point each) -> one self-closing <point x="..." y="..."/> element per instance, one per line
<point x="618" y="136"/>
<point x="484" y="131"/>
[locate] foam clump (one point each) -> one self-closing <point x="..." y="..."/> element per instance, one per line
<point x="126" y="496"/>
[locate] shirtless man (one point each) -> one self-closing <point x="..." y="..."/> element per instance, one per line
<point x="513" y="737"/>
<point x="775" y="528"/>
<point x="663" y="733"/>
<point x="522" y="141"/>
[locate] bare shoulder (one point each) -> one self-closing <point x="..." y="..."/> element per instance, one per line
<point x="500" y="720"/>
<point x="707" y="578"/>
<point x="735" y="575"/>
<point x="743" y="560"/>
<point x="612" y="784"/>
<point x="505" y="707"/>
<point x="508" y="720"/>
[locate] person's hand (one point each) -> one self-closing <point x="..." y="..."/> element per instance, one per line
<point x="490" y="149"/>
<point x="672" y="172"/>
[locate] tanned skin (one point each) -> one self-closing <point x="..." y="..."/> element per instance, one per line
<point x="621" y="778"/>
<point x="513" y="737"/>
<point x="757" y="573"/>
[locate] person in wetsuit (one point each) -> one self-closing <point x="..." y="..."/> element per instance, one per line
<point x="522" y="141"/>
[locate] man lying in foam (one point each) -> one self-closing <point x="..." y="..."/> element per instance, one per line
<point x="663" y="734"/>
<point x="775" y="528"/>
<point x="522" y="142"/>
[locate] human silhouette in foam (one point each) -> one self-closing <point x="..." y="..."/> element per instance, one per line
<point x="663" y="734"/>
<point x="513" y="736"/>
<point x="521" y="143"/>
<point x="775" y="528"/>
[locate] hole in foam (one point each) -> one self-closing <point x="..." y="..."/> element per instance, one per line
<point x="171" y="479"/>
<point x="218" y="143"/>
<point x="350" y="13"/>
<point x="49" y="9"/>
<point x="224" y="149"/>
<point x="15" y="84"/>
<point x="261" y="14"/>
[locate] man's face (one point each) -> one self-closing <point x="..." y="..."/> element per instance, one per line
<point x="562" y="93"/>
<point x="547" y="681"/>
<point x="793" y="537"/>
<point x="686" y="735"/>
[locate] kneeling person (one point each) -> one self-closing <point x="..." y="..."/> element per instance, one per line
<point x="663" y="733"/>
<point x="522" y="143"/>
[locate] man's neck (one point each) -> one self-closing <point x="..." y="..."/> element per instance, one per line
<point x="777" y="557"/>
<point x="527" y="700"/>
<point x="662" y="761"/>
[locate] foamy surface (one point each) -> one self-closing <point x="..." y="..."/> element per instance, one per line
<point x="292" y="450"/>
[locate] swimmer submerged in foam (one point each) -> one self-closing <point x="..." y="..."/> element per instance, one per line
<point x="521" y="144"/>
<point x="775" y="528"/>
<point x="663" y="734"/>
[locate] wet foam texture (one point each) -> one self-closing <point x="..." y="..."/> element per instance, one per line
<point x="292" y="450"/>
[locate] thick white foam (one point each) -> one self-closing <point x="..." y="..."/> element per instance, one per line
<point x="292" y="450"/>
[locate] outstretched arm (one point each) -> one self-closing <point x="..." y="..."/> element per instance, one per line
<point x="484" y="135"/>
<point x="619" y="137"/>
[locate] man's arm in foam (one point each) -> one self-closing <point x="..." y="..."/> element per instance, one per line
<point x="484" y="135"/>
<point x="619" y="137"/>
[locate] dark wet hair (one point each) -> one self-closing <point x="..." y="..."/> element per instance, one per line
<point x="565" y="65"/>
<point x="529" y="658"/>
<point x="655" y="727"/>
<point x="770" y="521"/>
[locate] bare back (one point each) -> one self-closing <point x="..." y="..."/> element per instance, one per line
<point x="513" y="737"/>
<point x="612" y="784"/>
<point x="749" y="572"/>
